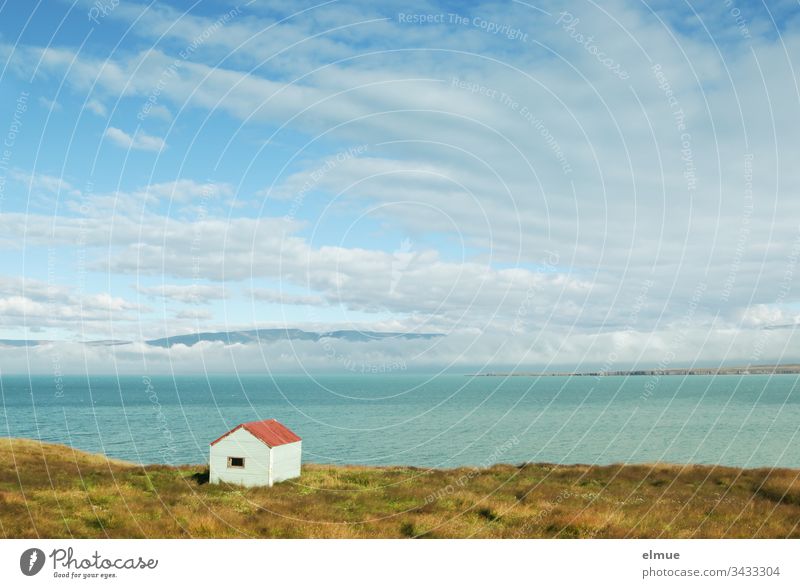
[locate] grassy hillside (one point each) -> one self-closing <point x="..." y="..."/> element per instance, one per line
<point x="54" y="491"/>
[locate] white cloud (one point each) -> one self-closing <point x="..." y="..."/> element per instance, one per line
<point x="140" y="140"/>
<point x="194" y="314"/>
<point x="44" y="182"/>
<point x="285" y="298"/>
<point x="160" y="111"/>
<point x="474" y="179"/>
<point x="28" y="303"/>
<point x="769" y="316"/>
<point x="462" y="351"/>
<point x="190" y="294"/>
<point x="185" y="190"/>
<point x="51" y="105"/>
<point x="97" y="107"/>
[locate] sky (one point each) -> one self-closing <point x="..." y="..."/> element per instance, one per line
<point x="545" y="185"/>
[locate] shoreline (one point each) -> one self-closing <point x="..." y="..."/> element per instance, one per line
<point x="756" y="370"/>
<point x="414" y="467"/>
<point x="54" y="491"/>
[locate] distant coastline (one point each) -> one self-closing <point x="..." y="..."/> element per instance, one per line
<point x="750" y="370"/>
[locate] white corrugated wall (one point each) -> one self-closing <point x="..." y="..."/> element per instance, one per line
<point x="240" y="444"/>
<point x="286" y="461"/>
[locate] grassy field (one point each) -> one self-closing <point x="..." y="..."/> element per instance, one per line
<point x="55" y="491"/>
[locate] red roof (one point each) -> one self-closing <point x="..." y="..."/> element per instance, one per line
<point x="270" y="432"/>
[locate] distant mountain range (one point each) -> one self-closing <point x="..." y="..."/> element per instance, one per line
<point x="253" y="336"/>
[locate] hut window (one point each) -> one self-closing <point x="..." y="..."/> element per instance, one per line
<point x="235" y="462"/>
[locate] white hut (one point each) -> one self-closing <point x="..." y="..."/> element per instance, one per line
<point x="255" y="454"/>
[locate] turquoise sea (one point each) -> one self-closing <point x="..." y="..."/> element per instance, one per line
<point x="421" y="420"/>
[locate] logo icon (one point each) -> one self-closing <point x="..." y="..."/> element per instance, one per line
<point x="31" y="561"/>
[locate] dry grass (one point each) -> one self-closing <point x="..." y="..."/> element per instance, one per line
<point x="54" y="491"/>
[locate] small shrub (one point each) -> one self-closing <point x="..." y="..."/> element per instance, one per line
<point x="201" y="477"/>
<point x="488" y="514"/>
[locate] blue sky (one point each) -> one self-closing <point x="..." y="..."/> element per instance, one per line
<point x="543" y="184"/>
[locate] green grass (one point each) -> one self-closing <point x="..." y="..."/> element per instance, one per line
<point x="54" y="491"/>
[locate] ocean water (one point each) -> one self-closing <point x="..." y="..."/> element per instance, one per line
<point x="421" y="420"/>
